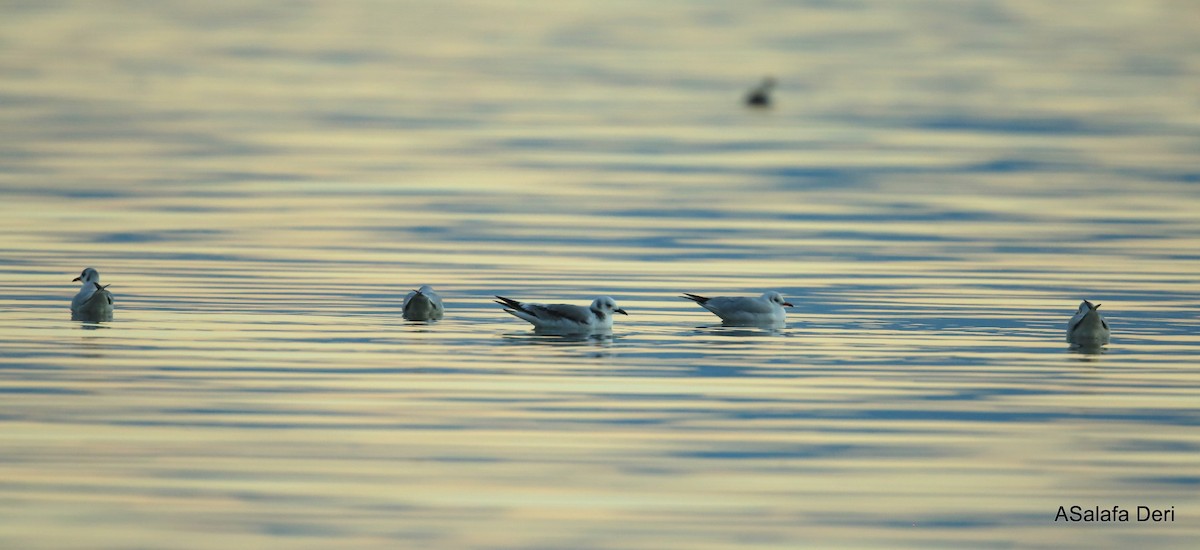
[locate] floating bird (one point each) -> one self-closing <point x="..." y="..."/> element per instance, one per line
<point x="745" y="311"/>
<point x="761" y="95"/>
<point x="423" y="304"/>
<point x="565" y="318"/>
<point x="1087" y="327"/>
<point x="93" y="302"/>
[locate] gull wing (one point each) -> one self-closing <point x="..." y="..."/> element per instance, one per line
<point x="578" y="314"/>
<point x="548" y="313"/>
<point x="738" y="304"/>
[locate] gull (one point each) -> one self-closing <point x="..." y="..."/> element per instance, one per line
<point x="1087" y="327"/>
<point x="745" y="311"/>
<point x="93" y="302"/>
<point x="565" y="318"/>
<point x="423" y="304"/>
<point x="761" y="96"/>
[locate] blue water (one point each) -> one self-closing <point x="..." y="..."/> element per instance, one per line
<point x="936" y="188"/>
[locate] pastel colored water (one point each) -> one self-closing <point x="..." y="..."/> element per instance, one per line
<point x="938" y="186"/>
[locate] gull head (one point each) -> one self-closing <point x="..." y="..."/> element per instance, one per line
<point x="604" y="304"/>
<point x="425" y="289"/>
<point x="776" y="298"/>
<point x="87" y="277"/>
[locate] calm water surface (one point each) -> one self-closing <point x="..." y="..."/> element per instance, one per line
<point x="938" y="186"/>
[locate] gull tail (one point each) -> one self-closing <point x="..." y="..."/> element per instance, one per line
<point x="512" y="306"/>
<point x="508" y="302"/>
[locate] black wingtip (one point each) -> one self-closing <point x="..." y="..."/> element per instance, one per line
<point x="694" y="297"/>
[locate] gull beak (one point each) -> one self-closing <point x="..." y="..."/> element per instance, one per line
<point x="621" y="311"/>
<point x="788" y="304"/>
<point x="76" y="279"/>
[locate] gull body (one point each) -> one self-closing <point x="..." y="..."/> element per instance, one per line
<point x="761" y="95"/>
<point x="565" y="318"/>
<point x="93" y="302"/>
<point x="745" y="311"/>
<point x="423" y="304"/>
<point x="1087" y="328"/>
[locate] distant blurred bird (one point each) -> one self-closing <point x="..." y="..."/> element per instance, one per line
<point x="423" y="304"/>
<point x="1087" y="327"/>
<point x="761" y="96"/>
<point x="565" y="318"/>
<point x="93" y="302"/>
<point x="745" y="311"/>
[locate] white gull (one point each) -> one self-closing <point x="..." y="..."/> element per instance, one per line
<point x="1087" y="327"/>
<point x="423" y="304"/>
<point x="745" y="311"/>
<point x="93" y="302"/>
<point x="565" y="318"/>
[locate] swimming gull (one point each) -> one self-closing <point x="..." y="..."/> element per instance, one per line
<point x="93" y="302"/>
<point x="761" y="95"/>
<point x="1087" y="328"/>
<point x="745" y="311"/>
<point x="565" y="318"/>
<point x="423" y="304"/>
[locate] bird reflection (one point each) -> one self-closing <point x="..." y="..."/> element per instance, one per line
<point x="1088" y="352"/>
<point x="91" y="324"/>
<point x="549" y="338"/>
<point x="729" y="331"/>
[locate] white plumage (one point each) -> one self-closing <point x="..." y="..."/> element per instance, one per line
<point x="565" y="318"/>
<point x="746" y="311"/>
<point x="93" y="302"/>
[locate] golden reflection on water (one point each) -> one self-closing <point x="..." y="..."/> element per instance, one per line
<point x="262" y="185"/>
